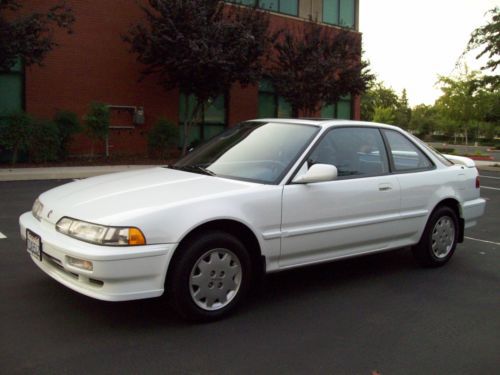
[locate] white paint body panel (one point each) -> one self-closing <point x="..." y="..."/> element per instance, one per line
<point x="295" y="224"/>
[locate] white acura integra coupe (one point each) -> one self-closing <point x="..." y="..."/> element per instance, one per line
<point x="264" y="196"/>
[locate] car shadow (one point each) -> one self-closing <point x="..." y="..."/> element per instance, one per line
<point x="277" y="289"/>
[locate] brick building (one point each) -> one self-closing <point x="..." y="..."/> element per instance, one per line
<point x="94" y="64"/>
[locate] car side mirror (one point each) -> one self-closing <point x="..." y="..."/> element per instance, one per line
<point x="317" y="173"/>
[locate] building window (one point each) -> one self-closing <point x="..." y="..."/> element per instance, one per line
<point x="290" y="7"/>
<point x="212" y="121"/>
<point x="12" y="90"/>
<point x="270" y="104"/>
<point x="339" y="12"/>
<point x="340" y="110"/>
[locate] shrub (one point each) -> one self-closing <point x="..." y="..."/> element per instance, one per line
<point x="162" y="138"/>
<point x="15" y="134"/>
<point x="97" y="123"/>
<point x="68" y="124"/>
<point x="445" y="150"/>
<point x="44" y="142"/>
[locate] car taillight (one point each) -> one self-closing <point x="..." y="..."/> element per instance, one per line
<point x="478" y="183"/>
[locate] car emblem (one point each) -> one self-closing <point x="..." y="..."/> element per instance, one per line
<point x="50" y="213"/>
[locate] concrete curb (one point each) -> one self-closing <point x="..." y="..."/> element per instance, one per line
<point x="62" y="173"/>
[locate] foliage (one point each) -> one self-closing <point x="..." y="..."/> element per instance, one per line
<point x="446" y="150"/>
<point x="402" y="116"/>
<point x="487" y="38"/>
<point x="384" y="115"/>
<point x="15" y="134"/>
<point x="29" y="36"/>
<point x="162" y="138"/>
<point x="68" y="124"/>
<point x="97" y="122"/>
<point x="200" y="48"/>
<point x="379" y="96"/>
<point x="44" y="141"/>
<point x="424" y="120"/>
<point x="318" y="66"/>
<point x="468" y="107"/>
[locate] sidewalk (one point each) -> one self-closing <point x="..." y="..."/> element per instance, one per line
<point x="63" y="173"/>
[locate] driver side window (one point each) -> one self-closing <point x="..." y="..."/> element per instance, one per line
<point x="355" y="151"/>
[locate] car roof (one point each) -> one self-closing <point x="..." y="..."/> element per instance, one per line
<point x="326" y="123"/>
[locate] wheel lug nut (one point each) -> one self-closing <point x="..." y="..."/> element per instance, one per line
<point x="220" y="285"/>
<point x="221" y="273"/>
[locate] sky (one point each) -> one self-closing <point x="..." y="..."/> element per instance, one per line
<point x="409" y="43"/>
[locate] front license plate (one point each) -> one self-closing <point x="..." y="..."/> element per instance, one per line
<point x="34" y="244"/>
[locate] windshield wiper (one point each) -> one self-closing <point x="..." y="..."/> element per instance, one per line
<point x="203" y="169"/>
<point x="193" y="168"/>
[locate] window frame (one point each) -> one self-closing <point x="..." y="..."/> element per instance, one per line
<point x="202" y="124"/>
<point x="392" y="166"/>
<point x="22" y="74"/>
<point x="335" y="106"/>
<point x="257" y="3"/>
<point x="342" y="178"/>
<point x="337" y="22"/>
<point x="276" y="101"/>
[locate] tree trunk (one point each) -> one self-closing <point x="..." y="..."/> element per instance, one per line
<point x="14" y="154"/>
<point x="189" y="120"/>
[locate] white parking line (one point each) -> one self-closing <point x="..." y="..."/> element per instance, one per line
<point x="476" y="239"/>
<point x="2" y="236"/>
<point x="489" y="188"/>
<point x="495" y="178"/>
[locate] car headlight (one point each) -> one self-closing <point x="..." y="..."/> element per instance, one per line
<point x="37" y="209"/>
<point x="100" y="234"/>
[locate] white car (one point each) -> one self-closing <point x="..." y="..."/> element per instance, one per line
<point x="264" y="196"/>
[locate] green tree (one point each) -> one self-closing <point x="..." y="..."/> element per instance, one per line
<point x="29" y="36"/>
<point x="460" y="101"/>
<point x="316" y="65"/>
<point x="424" y="120"/>
<point x="161" y="138"/>
<point x="97" y="122"/>
<point x="378" y="96"/>
<point x="487" y="39"/>
<point x="15" y="134"/>
<point x="68" y="124"/>
<point x="44" y="141"/>
<point x="384" y="115"/>
<point x="403" y="111"/>
<point x="201" y="48"/>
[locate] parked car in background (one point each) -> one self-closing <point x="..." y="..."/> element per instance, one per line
<point x="264" y="196"/>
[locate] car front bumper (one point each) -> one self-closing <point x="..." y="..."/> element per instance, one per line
<point x="119" y="273"/>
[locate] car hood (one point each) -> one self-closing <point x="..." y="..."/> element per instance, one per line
<point x="117" y="198"/>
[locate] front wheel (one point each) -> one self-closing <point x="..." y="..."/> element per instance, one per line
<point x="439" y="239"/>
<point x="210" y="276"/>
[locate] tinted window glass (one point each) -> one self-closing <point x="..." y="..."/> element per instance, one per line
<point x="255" y="151"/>
<point x="405" y="154"/>
<point x="356" y="152"/>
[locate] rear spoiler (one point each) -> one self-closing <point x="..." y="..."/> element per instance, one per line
<point x="462" y="160"/>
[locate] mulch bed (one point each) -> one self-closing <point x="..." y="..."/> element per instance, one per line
<point x="98" y="161"/>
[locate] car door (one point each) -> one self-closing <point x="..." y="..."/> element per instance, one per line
<point x="356" y="213"/>
<point x="419" y="181"/>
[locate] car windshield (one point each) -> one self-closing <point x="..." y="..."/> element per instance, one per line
<point x="252" y="151"/>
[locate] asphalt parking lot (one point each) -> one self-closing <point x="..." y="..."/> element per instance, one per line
<point x="380" y="312"/>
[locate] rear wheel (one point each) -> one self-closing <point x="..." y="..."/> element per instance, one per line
<point x="439" y="239"/>
<point x="210" y="276"/>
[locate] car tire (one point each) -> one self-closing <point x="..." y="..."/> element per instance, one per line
<point x="209" y="277"/>
<point x="439" y="240"/>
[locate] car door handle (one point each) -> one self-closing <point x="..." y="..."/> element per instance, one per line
<point x="385" y="187"/>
